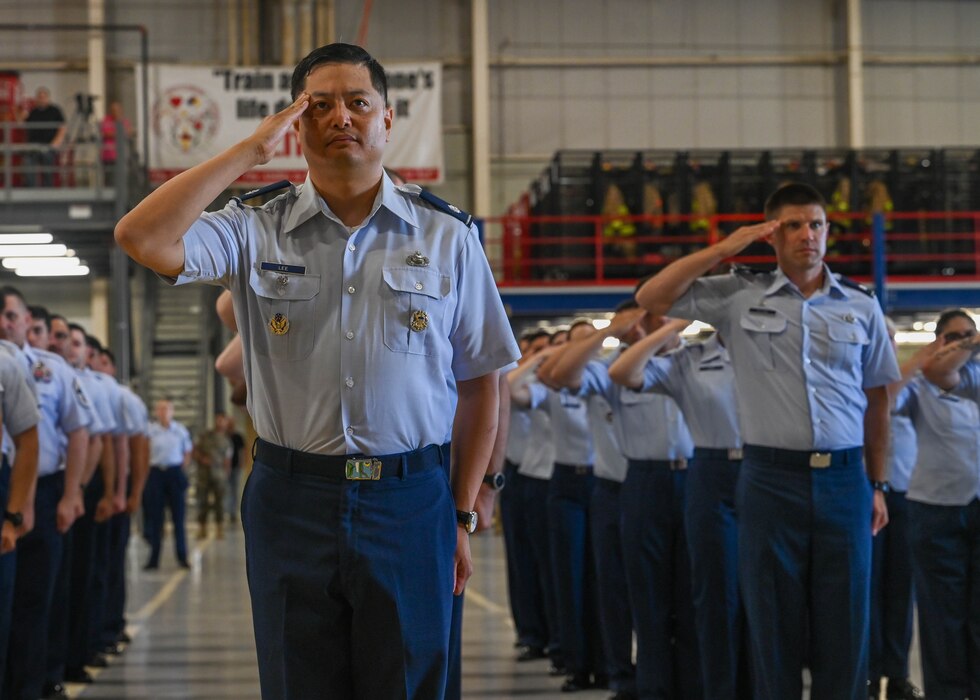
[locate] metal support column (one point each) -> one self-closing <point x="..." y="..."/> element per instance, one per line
<point x="481" y="107"/>
<point x="96" y="59"/>
<point x="855" y="75"/>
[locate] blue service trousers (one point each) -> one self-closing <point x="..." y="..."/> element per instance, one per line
<point x="165" y="487"/>
<point x="81" y="573"/>
<point x="38" y="557"/>
<point x="804" y="562"/>
<point x="892" y="594"/>
<point x="540" y="575"/>
<point x="100" y="570"/>
<point x="8" y="574"/>
<point x="615" y="619"/>
<point x="454" y="681"/>
<point x="526" y="601"/>
<point x="712" y="539"/>
<point x="59" y="616"/>
<point x="569" y="496"/>
<point x="115" y="616"/>
<point x="946" y="558"/>
<point x="351" y="583"/>
<point x="658" y="576"/>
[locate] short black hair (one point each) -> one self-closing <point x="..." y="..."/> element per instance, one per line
<point x="339" y="53"/>
<point x="579" y="322"/>
<point x="948" y="315"/>
<point x="9" y="291"/>
<point x="626" y="305"/>
<point x="537" y="333"/>
<point x="41" y="314"/>
<point x="108" y="353"/>
<point x="796" y="194"/>
<point x="58" y="317"/>
<point x="72" y="326"/>
<point x="93" y="342"/>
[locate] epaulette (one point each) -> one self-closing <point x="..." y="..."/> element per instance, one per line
<point x="848" y="282"/>
<point x="746" y="271"/>
<point x="445" y="207"/>
<point x="252" y="194"/>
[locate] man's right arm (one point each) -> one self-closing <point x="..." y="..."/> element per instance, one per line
<point x="152" y="232"/>
<point x="660" y="292"/>
<point x="943" y="368"/>
<point x="567" y="371"/>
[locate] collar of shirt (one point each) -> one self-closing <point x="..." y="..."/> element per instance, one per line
<point x="309" y="202"/>
<point x="830" y="284"/>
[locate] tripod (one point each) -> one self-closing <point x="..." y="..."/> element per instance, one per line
<point x="82" y="144"/>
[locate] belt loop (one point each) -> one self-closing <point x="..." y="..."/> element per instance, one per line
<point x="288" y="461"/>
<point x="404" y="466"/>
<point x="255" y="446"/>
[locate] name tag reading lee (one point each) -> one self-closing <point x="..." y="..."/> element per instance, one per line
<point x="280" y="267"/>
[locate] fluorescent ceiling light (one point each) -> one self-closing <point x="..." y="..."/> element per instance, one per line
<point x="25" y="238"/>
<point x="79" y="271"/>
<point x="914" y="337"/>
<point x="43" y="263"/>
<point x="601" y="323"/>
<point x="610" y="343"/>
<point x="52" y="250"/>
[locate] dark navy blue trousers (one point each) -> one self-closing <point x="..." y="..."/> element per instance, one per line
<point x="8" y="574"/>
<point x="892" y="594"/>
<point x="115" y="615"/>
<point x="540" y="576"/>
<point x="615" y="619"/>
<point x="658" y="576"/>
<point x="804" y="562"/>
<point x="712" y="539"/>
<point x="569" y="497"/>
<point x="946" y="558"/>
<point x="525" y="599"/>
<point x="38" y="558"/>
<point x="165" y="487"/>
<point x="454" y="681"/>
<point x="350" y="582"/>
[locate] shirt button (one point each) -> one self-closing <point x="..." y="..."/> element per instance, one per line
<point x="349" y="382"/>
<point x="418" y="286"/>
<point x="807" y="361"/>
<point x="350" y="335"/>
<point x="352" y="247"/>
<point x="350" y="431"/>
<point x="350" y="290"/>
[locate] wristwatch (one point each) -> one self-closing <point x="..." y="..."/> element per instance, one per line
<point x="16" y="519"/>
<point x="495" y="481"/>
<point x="882" y="486"/>
<point x="467" y="518"/>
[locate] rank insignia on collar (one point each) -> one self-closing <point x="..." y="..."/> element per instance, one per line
<point x="420" y="321"/>
<point x="42" y="373"/>
<point x="416" y="259"/>
<point x="279" y="324"/>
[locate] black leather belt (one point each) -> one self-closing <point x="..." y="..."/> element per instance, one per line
<point x="731" y="454"/>
<point x="674" y="465"/>
<point x="350" y="467"/>
<point x="804" y="458"/>
<point x="576" y="469"/>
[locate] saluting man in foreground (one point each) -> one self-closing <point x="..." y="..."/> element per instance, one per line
<point x="372" y="333"/>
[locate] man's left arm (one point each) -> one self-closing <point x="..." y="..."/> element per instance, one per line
<point x="474" y="430"/>
<point x="876" y="422"/>
<point x="487" y="496"/>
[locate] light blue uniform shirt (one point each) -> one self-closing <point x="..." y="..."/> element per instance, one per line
<point x="117" y="403"/>
<point x="62" y="405"/>
<point x="137" y="416"/>
<point x="99" y="405"/>
<point x="351" y="297"/>
<point x="538" y="460"/>
<point x="947" y="469"/>
<point x="18" y="400"/>
<point x="169" y="444"/>
<point x="902" y="448"/>
<point x="801" y="365"/>
<point x="569" y="419"/>
<point x="517" y="433"/>
<point x="20" y="366"/>
<point x="700" y="378"/>
<point x="609" y="460"/>
<point x="647" y="426"/>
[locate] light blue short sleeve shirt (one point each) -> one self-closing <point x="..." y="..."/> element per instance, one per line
<point x="169" y="444"/>
<point x="569" y="419"/>
<point x="386" y="316"/>
<point x="801" y="364"/>
<point x="61" y="406"/>
<point x="18" y="400"/>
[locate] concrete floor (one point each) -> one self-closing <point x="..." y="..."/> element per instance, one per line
<point x="192" y="632"/>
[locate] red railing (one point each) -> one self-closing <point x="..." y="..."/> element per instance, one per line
<point x="593" y="250"/>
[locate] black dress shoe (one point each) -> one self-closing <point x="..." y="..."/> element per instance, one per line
<point x="124" y="638"/>
<point x="78" y="675"/>
<point x="183" y="564"/>
<point x="600" y="681"/>
<point x="576" y="682"/>
<point x="903" y="689"/>
<point x="54" y="691"/>
<point x="531" y="654"/>
<point x="113" y="649"/>
<point x="97" y="661"/>
<point x="150" y="566"/>
<point x="557" y="668"/>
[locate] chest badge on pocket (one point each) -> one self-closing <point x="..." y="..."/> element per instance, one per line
<point x="416" y="259"/>
<point x="281" y="282"/>
<point x="420" y="321"/>
<point x="279" y="324"/>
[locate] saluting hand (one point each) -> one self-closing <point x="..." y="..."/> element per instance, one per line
<point x="624" y="321"/>
<point x="272" y="130"/>
<point x="745" y="236"/>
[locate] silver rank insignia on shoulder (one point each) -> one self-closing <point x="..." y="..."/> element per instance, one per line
<point x="420" y="321"/>
<point x="416" y="259"/>
<point x="279" y="324"/>
<point x="849" y="318"/>
<point x="281" y="282"/>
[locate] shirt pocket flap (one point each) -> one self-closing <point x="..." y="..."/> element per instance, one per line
<point x="417" y="280"/>
<point x="285" y="286"/>
<point x="848" y="333"/>
<point x="768" y="321"/>
<point x="629" y="397"/>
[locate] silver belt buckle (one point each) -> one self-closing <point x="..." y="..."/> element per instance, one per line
<point x="819" y="460"/>
<point x="363" y="469"/>
<point x="677" y="465"/>
<point x="734" y="454"/>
